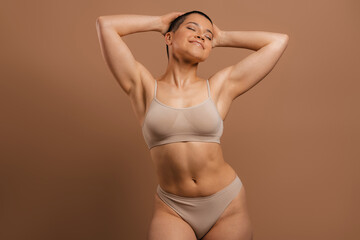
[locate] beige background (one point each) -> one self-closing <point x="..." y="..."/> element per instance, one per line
<point x="74" y="164"/>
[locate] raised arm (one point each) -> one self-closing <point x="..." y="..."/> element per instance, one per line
<point x="116" y="53"/>
<point x="238" y="78"/>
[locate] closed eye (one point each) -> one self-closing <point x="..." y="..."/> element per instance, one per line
<point x="194" y="30"/>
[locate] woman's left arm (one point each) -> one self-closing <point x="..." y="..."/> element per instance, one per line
<point x="248" y="72"/>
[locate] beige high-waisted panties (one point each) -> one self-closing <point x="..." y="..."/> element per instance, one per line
<point x="201" y="213"/>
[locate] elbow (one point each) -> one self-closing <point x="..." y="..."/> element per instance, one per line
<point x="98" y="22"/>
<point x="284" y="38"/>
<point x="280" y="39"/>
<point x="101" y="21"/>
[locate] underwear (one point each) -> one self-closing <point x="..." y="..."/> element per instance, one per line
<point x="201" y="213"/>
<point x="165" y="124"/>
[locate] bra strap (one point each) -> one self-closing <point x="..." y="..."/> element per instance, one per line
<point x="155" y="88"/>
<point x="208" y="87"/>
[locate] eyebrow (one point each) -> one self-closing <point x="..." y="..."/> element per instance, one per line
<point x="199" y="25"/>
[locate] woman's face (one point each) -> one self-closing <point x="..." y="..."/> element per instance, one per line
<point x="193" y="39"/>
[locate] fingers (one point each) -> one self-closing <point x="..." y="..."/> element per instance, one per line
<point x="177" y="14"/>
<point x="181" y="13"/>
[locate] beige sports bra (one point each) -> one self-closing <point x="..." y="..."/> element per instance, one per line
<point x="165" y="124"/>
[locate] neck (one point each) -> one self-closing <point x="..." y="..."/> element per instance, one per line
<point x="180" y="72"/>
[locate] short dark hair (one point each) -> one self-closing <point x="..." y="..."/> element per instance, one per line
<point x="174" y="25"/>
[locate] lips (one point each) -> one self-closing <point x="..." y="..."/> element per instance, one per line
<point x="198" y="43"/>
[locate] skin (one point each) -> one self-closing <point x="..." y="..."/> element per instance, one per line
<point x="191" y="169"/>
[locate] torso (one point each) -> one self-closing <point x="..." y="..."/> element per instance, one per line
<point x="189" y="169"/>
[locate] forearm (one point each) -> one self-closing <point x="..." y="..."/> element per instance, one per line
<point x="253" y="40"/>
<point x="127" y="24"/>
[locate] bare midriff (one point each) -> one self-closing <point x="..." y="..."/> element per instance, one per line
<point x="191" y="169"/>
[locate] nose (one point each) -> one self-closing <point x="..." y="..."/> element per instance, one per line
<point x="197" y="36"/>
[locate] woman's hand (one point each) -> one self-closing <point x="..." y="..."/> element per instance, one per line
<point x="167" y="19"/>
<point x="217" y="36"/>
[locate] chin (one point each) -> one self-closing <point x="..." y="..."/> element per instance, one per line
<point x="192" y="56"/>
<point x="199" y="56"/>
<point x="198" y="59"/>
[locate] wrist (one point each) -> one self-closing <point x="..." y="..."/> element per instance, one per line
<point x="219" y="39"/>
<point x="159" y="24"/>
<point x="222" y="36"/>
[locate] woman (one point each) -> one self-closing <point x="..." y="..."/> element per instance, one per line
<point x="199" y="195"/>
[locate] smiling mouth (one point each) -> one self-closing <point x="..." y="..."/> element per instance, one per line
<point x="198" y="44"/>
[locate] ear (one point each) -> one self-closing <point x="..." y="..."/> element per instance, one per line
<point x="168" y="38"/>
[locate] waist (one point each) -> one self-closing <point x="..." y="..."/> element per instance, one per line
<point x="191" y="169"/>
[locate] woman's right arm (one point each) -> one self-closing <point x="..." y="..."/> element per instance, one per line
<point x="117" y="55"/>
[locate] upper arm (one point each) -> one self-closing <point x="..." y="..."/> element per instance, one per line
<point x="252" y="69"/>
<point x="118" y="56"/>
